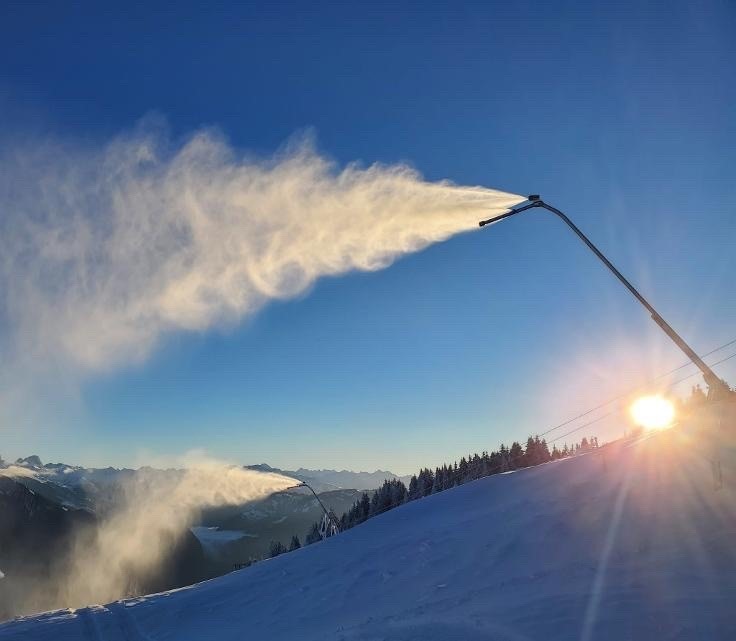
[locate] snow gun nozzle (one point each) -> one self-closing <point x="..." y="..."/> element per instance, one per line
<point x="535" y="200"/>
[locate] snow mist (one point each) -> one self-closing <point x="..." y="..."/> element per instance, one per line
<point x="155" y="511"/>
<point x="105" y="248"/>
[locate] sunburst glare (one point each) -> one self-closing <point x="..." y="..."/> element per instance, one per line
<point x="652" y="412"/>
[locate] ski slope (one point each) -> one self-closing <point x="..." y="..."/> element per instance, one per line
<point x="632" y="542"/>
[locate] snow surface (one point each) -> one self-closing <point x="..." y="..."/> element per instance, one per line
<point x="631" y="542"/>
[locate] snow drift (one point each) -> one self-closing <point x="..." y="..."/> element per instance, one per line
<point x="633" y="542"/>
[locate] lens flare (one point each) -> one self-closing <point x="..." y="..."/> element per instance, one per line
<point x="652" y="412"/>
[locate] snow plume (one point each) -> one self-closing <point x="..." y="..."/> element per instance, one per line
<point x="104" y="249"/>
<point x="128" y="548"/>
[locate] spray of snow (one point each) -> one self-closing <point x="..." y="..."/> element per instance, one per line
<point x="155" y="512"/>
<point x="106" y="248"/>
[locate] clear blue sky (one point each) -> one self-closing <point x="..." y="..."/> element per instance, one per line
<point x="622" y="114"/>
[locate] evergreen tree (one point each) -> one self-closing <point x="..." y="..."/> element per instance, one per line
<point x="398" y="493"/>
<point x="313" y="535"/>
<point x="516" y="455"/>
<point x="485" y="465"/>
<point x="277" y="547"/>
<point x="475" y="467"/>
<point x="530" y="453"/>
<point x="374" y="507"/>
<point x="542" y="450"/>
<point x="437" y="487"/>
<point x="498" y="462"/>
<point x="425" y="482"/>
<point x="295" y="543"/>
<point x="413" y="488"/>
<point x="463" y="469"/>
<point x="364" y="509"/>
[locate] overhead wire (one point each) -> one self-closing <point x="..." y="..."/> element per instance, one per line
<point x="454" y="473"/>
<point x="612" y="412"/>
<point x="635" y="389"/>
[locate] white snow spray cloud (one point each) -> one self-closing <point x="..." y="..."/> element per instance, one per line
<point x="152" y="512"/>
<point x="105" y="249"/>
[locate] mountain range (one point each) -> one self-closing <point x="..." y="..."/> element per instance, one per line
<point x="633" y="541"/>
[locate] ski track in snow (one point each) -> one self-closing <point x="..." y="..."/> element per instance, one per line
<point x="508" y="558"/>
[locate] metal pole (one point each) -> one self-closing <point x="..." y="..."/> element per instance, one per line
<point x="328" y="514"/>
<point x="716" y="385"/>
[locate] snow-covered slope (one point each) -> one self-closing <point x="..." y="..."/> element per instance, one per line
<point x="633" y="542"/>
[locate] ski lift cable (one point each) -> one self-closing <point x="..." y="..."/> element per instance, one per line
<point x="473" y="465"/>
<point x="615" y="411"/>
<point x="454" y="474"/>
<point x="633" y="390"/>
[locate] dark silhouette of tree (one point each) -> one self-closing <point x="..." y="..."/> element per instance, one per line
<point x="313" y="535"/>
<point x="295" y="543"/>
<point x="425" y="481"/>
<point x="365" y="507"/>
<point x="516" y="456"/>
<point x="277" y="547"/>
<point x="392" y="493"/>
<point x="413" y="487"/>
<point x="530" y="453"/>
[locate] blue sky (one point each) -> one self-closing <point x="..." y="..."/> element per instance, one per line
<point x="620" y="114"/>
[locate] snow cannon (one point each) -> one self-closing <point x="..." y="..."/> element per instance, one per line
<point x="329" y="525"/>
<point x="718" y="389"/>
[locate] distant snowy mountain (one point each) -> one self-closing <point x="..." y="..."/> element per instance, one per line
<point x="91" y="489"/>
<point x="90" y="486"/>
<point x="633" y="542"/>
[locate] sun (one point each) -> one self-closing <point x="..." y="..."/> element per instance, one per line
<point x="652" y="412"/>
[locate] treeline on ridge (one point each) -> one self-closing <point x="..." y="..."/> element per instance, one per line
<point x="393" y="492"/>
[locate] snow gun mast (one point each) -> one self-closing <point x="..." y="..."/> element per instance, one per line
<point x="328" y="525"/>
<point x="717" y="388"/>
